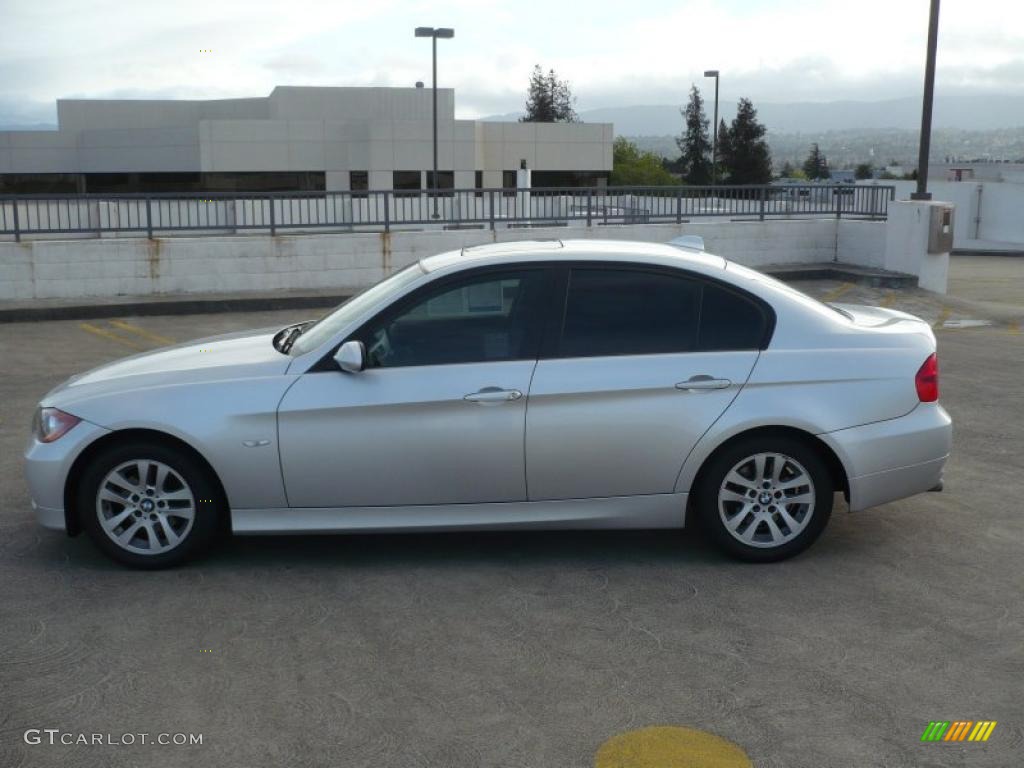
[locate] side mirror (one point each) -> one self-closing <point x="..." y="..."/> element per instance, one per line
<point x="351" y="356"/>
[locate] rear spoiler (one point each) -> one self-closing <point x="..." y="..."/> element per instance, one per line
<point x="688" y="242"/>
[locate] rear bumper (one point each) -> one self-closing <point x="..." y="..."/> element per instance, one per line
<point x="893" y="459"/>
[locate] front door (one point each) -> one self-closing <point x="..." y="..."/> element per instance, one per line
<point x="438" y="415"/>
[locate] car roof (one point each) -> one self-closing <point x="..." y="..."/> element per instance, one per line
<point x="573" y="250"/>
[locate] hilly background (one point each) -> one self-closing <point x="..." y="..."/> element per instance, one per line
<point x="965" y="127"/>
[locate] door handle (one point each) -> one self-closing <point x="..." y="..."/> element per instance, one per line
<point x="493" y="396"/>
<point x="702" y="383"/>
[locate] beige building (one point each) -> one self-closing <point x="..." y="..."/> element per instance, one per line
<point x="296" y="138"/>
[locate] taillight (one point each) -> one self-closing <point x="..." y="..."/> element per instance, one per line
<point x="927" y="380"/>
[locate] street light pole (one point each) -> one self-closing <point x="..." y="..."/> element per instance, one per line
<point x="714" y="141"/>
<point x="924" y="148"/>
<point x="435" y="33"/>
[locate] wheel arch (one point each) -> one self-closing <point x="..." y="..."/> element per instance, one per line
<point x="72" y="519"/>
<point x="837" y="471"/>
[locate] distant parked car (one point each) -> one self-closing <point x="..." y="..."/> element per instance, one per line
<point x="523" y="385"/>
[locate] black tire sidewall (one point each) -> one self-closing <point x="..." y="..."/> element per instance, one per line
<point x="706" y="499"/>
<point x="208" y="505"/>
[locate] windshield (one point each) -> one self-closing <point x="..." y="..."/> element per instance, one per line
<point x="381" y="293"/>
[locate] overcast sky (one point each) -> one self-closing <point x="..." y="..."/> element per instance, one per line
<point x="614" y="53"/>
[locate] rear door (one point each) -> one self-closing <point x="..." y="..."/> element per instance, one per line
<point x="644" y="361"/>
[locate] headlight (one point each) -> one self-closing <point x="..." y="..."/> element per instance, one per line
<point x="51" y="424"/>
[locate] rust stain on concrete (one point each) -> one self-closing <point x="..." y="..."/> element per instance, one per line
<point x="153" y="249"/>
<point x="385" y="252"/>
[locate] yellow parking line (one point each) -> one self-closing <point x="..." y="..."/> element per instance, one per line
<point x="141" y="332"/>
<point x="835" y="293"/>
<point x="668" y="746"/>
<point x="943" y="317"/>
<point x="89" y="328"/>
<point x="1013" y="327"/>
<point x="889" y="300"/>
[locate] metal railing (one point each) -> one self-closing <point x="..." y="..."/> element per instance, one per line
<point x="272" y="212"/>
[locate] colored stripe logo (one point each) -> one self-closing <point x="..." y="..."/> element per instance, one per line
<point x="958" y="730"/>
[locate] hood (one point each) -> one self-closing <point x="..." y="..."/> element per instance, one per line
<point x="230" y="356"/>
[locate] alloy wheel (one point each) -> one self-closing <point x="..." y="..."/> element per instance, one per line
<point x="766" y="500"/>
<point x="145" y="506"/>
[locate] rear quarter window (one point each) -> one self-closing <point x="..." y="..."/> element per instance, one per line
<point x="730" y="321"/>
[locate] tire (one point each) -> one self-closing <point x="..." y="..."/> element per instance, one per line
<point x="148" y="505"/>
<point x="784" y="517"/>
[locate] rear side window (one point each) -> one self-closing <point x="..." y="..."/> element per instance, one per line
<point x="730" y="321"/>
<point x="625" y="312"/>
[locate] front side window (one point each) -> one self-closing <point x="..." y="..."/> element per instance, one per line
<point x="488" y="317"/>
<point x="627" y="312"/>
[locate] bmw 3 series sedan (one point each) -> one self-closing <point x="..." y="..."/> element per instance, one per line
<point x="542" y="385"/>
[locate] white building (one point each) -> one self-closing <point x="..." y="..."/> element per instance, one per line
<point x="296" y="138"/>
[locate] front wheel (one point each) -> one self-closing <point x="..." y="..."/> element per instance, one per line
<point x="765" y="499"/>
<point x="148" y="505"/>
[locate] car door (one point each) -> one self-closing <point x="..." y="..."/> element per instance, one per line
<point x="644" y="362"/>
<point x="437" y="416"/>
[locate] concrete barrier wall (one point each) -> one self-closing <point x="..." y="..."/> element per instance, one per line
<point x="43" y="269"/>
<point x="983" y="220"/>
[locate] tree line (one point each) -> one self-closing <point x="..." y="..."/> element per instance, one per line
<point x="742" y="155"/>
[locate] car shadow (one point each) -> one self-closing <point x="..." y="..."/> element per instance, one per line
<point x="456" y="549"/>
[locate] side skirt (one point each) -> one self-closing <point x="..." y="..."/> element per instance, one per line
<point x="665" y="510"/>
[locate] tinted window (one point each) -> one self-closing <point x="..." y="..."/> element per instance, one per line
<point x="730" y="321"/>
<point x="486" y="318"/>
<point x="622" y="312"/>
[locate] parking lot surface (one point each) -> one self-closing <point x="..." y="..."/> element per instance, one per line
<point x="532" y="649"/>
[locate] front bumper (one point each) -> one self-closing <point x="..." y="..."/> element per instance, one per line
<point x="46" y="470"/>
<point x="893" y="459"/>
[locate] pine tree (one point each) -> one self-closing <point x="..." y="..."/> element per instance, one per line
<point x="539" y="105"/>
<point x="563" y="100"/>
<point x="745" y="154"/>
<point x="724" y="151"/>
<point x="694" y="143"/>
<point x="549" y="99"/>
<point x="816" y="164"/>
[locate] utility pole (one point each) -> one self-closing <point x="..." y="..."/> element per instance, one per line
<point x="924" y="150"/>
<point x="435" y="33"/>
<point x="714" y="141"/>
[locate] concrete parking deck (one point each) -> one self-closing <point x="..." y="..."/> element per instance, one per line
<point x="531" y="650"/>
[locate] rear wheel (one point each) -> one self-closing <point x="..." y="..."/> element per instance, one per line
<point x="766" y="498"/>
<point x="148" y="505"/>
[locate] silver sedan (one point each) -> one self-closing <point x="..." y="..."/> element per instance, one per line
<point x="581" y="384"/>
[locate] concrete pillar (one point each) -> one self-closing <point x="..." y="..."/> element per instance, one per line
<point x="379" y="180"/>
<point x="336" y="181"/>
<point x="907" y="242"/>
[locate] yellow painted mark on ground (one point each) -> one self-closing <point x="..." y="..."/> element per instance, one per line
<point x="141" y="332"/>
<point x="103" y="333"/>
<point x="943" y="317"/>
<point x="1013" y="327"/>
<point x="889" y="300"/>
<point x="666" y="746"/>
<point x="835" y="293"/>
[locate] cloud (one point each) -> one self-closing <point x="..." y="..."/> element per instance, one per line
<point x="769" y="50"/>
